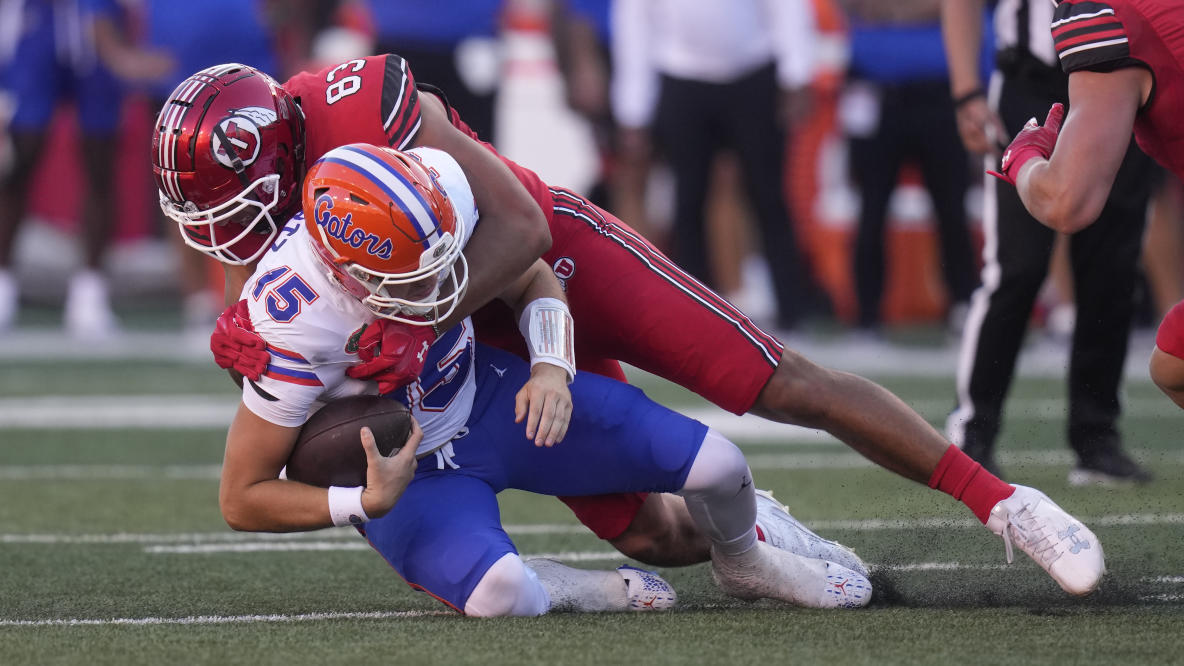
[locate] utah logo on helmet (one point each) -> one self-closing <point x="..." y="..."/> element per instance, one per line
<point x="387" y="231"/>
<point x="228" y="155"/>
<point x="235" y="140"/>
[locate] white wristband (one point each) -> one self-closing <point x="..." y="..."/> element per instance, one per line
<point x="345" y="506"/>
<point x="549" y="330"/>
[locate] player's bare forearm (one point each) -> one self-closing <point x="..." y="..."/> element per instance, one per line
<point x="251" y="496"/>
<point x="513" y="231"/>
<point x="536" y="282"/>
<point x="1068" y="191"/>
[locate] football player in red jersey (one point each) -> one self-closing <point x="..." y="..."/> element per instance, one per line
<point x="227" y="199"/>
<point x="1125" y="60"/>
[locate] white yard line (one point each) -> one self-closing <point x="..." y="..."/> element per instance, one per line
<point x="758" y="461"/>
<point x="108" y="472"/>
<point x="1040" y="359"/>
<point x="1165" y="579"/>
<point x="220" y="619"/>
<point x="228" y="537"/>
<point x="203" y="411"/>
<point x="386" y="615"/>
<point x="249" y="541"/>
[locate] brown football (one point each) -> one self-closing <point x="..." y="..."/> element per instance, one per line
<point x="329" y="451"/>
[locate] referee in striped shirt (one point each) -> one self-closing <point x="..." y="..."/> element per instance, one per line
<point x="1027" y="80"/>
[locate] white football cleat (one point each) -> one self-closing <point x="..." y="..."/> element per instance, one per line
<point x="781" y="530"/>
<point x="88" y="314"/>
<point x="766" y="572"/>
<point x="1058" y="542"/>
<point x="647" y="591"/>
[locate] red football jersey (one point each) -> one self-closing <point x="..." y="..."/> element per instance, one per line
<point x="368" y="100"/>
<point x="374" y="100"/>
<point x="1104" y="36"/>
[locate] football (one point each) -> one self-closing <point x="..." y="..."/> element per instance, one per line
<point x="329" y="450"/>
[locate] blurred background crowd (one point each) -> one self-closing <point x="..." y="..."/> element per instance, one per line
<point x="803" y="157"/>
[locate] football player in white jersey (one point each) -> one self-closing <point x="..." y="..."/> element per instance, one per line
<point x="381" y="236"/>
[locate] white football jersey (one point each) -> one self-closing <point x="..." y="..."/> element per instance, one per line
<point x="311" y="327"/>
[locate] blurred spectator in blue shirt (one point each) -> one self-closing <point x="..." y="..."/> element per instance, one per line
<point x="899" y="110"/>
<point x="47" y="55"/>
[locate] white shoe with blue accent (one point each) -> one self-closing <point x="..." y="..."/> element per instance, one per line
<point x="574" y="590"/>
<point x="1058" y="542"/>
<point x="647" y="591"/>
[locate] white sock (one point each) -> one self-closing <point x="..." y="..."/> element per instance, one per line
<point x="580" y="590"/>
<point x="720" y="496"/>
<point x="508" y="589"/>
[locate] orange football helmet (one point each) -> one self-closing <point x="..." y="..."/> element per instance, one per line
<point x="387" y="232"/>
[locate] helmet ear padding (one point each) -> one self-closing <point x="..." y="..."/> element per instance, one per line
<point x="381" y="218"/>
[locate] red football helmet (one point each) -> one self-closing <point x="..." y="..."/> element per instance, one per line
<point x="387" y="232"/>
<point x="228" y="155"/>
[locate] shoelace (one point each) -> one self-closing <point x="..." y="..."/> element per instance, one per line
<point x="1039" y="537"/>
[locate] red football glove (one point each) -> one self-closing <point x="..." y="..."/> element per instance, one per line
<point x="392" y="353"/>
<point x="1032" y="141"/>
<point x="236" y="345"/>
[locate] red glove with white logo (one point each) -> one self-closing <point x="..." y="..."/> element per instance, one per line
<point x="392" y="353"/>
<point x="236" y="345"/>
<point x="1032" y="141"/>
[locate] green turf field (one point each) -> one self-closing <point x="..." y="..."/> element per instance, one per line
<point x="112" y="550"/>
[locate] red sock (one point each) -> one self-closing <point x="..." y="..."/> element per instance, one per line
<point x="959" y="476"/>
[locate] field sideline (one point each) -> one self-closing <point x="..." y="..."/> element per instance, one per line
<point x="113" y="550"/>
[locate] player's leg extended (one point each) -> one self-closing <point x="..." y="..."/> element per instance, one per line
<point x="678" y="329"/>
<point x="444" y="537"/>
